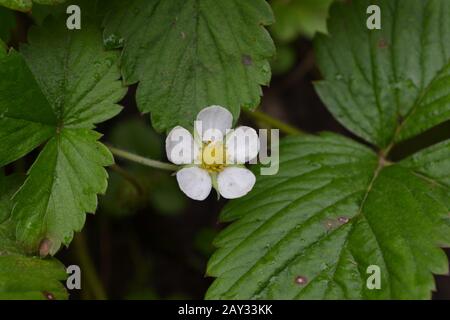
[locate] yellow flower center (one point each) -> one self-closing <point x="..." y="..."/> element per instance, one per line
<point x="214" y="156"/>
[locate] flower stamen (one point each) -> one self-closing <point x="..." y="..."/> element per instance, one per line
<point x="213" y="156"/>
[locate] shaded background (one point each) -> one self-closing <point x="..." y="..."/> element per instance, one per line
<point x="147" y="240"/>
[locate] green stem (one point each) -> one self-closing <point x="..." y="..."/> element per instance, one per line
<point x="142" y="160"/>
<point x="88" y="268"/>
<point x="274" y="123"/>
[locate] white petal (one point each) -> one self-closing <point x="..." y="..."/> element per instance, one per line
<point x="235" y="182"/>
<point x="180" y="146"/>
<point x="213" y="119"/>
<point x="194" y="182"/>
<point x="242" y="145"/>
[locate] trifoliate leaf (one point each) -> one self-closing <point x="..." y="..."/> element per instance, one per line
<point x="391" y="84"/>
<point x="23" y="277"/>
<point x="188" y="54"/>
<point x="58" y="94"/>
<point x="334" y="209"/>
<point x="26" y="5"/>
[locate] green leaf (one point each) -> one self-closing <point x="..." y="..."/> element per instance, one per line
<point x="62" y="185"/>
<point x="23" y="277"/>
<point x="26" y="119"/>
<point x="295" y="17"/>
<point x="431" y="162"/>
<point x="8" y="23"/>
<point x="78" y="77"/>
<point x="391" y="84"/>
<point x="27" y="278"/>
<point x="60" y="95"/>
<point x="334" y="209"/>
<point x="191" y="54"/>
<point x="26" y="5"/>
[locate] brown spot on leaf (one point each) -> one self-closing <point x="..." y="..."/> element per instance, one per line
<point x="247" y="60"/>
<point x="301" y="280"/>
<point x="48" y="295"/>
<point x="45" y="247"/>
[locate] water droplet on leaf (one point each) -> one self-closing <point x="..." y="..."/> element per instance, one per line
<point x="113" y="42"/>
<point x="343" y="220"/>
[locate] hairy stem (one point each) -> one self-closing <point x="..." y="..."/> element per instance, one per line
<point x="274" y="123"/>
<point x="142" y="160"/>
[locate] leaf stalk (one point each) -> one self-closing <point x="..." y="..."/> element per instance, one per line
<point x="142" y="160"/>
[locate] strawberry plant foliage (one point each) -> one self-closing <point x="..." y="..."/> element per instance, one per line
<point x="191" y="54"/>
<point x="21" y="276"/>
<point x="391" y="84"/>
<point x="332" y="211"/>
<point x="336" y="207"/>
<point x="57" y="96"/>
<point x="28" y="278"/>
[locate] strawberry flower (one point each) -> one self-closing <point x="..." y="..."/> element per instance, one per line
<point x="214" y="156"/>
